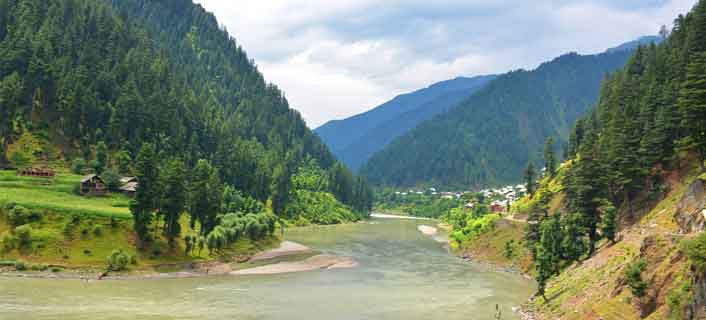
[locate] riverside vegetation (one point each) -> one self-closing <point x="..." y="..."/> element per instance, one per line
<point x="617" y="231"/>
<point x="155" y="90"/>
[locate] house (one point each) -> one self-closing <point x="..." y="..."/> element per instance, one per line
<point x="93" y="185"/>
<point x="128" y="186"/>
<point x="37" y="172"/>
<point x="497" y="208"/>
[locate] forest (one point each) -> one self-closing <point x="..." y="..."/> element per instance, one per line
<point x="488" y="138"/>
<point x="650" y="120"/>
<point x="158" y="90"/>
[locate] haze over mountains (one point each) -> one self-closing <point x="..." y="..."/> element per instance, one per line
<point x="495" y="123"/>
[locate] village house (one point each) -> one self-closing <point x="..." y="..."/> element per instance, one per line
<point x="128" y="186"/>
<point x="93" y="185"/>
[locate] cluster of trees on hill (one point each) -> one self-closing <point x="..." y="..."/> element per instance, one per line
<point x="123" y="74"/>
<point x="651" y="115"/>
<point x="488" y="138"/>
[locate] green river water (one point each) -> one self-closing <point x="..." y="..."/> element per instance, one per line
<point x="402" y="275"/>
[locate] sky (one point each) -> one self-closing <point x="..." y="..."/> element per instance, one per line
<point x="335" y="59"/>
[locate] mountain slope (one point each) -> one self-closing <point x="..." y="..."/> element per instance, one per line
<point x="355" y="139"/>
<point x="78" y="73"/>
<point x="489" y="138"/>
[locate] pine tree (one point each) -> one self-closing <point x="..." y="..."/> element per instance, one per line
<point x="173" y="197"/>
<point x="609" y="223"/>
<point x="692" y="103"/>
<point x="205" y="196"/>
<point x="101" y="157"/>
<point x="144" y="204"/>
<point x="549" y="158"/>
<point x="529" y="178"/>
<point x="572" y="241"/>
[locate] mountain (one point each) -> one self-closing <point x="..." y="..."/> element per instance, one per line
<point x="489" y="138"/>
<point x="78" y="74"/>
<point x="355" y="139"/>
<point x="632" y="45"/>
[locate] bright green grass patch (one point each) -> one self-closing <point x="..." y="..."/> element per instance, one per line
<point x="57" y="195"/>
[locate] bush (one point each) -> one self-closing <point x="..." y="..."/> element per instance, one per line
<point x="18" y="216"/>
<point x="8" y="243"/>
<point x="117" y="260"/>
<point x="39" y="267"/>
<point x="20" y="266"/>
<point x="112" y="179"/>
<point x="24" y="235"/>
<point x="633" y="275"/>
<point x="695" y="250"/>
<point x="98" y="230"/>
<point x="78" y="165"/>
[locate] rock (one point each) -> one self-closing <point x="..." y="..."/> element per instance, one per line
<point x="427" y="230"/>
<point x="691" y="209"/>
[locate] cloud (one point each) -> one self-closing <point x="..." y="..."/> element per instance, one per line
<point x="334" y="59"/>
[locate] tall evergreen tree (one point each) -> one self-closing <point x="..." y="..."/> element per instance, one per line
<point x="529" y="178"/>
<point x="173" y="202"/>
<point x="549" y="157"/>
<point x="692" y="102"/>
<point x="144" y="204"/>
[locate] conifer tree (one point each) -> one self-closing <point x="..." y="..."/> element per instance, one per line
<point x="144" y="204"/>
<point x="549" y="158"/>
<point x="692" y="102"/>
<point x="173" y="197"/>
<point x="529" y="177"/>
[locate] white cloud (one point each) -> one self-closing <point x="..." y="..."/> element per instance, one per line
<point x="334" y="59"/>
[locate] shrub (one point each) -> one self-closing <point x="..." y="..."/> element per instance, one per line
<point x="8" y="242"/>
<point x="78" y="165"/>
<point x="7" y="263"/>
<point x="117" y="260"/>
<point x="39" y="267"/>
<point x="633" y="275"/>
<point x="24" y="235"/>
<point x="112" y="179"/>
<point x="18" y="216"/>
<point x="20" y="266"/>
<point x="695" y="250"/>
<point x="98" y="230"/>
<point x="678" y="298"/>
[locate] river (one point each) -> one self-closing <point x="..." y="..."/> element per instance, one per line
<point x="402" y="275"/>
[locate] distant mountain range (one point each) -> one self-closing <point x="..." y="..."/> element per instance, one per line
<point x="488" y="138"/>
<point x="355" y="139"/>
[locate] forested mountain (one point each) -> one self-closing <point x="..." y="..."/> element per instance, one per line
<point x="489" y="138"/>
<point x="356" y="139"/>
<point x="636" y="160"/>
<point x="119" y="74"/>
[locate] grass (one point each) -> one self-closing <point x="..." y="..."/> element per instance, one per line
<point x="58" y="241"/>
<point x="57" y="195"/>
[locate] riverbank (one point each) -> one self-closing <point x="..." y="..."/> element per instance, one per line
<point x="394" y="216"/>
<point x="288" y="257"/>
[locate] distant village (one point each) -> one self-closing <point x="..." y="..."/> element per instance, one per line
<point x="498" y="199"/>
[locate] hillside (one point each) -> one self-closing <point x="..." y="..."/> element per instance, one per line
<point x="157" y="92"/>
<point x="356" y="139"/>
<point x="489" y="138"/>
<point x="617" y="232"/>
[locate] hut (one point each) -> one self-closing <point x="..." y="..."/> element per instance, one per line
<point x="37" y="172"/>
<point x="93" y="185"/>
<point x="128" y="186"/>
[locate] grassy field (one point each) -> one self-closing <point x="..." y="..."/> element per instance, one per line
<point x="56" y="195"/>
<point x="77" y="232"/>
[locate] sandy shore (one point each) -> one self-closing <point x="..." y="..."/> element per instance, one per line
<point x="211" y="268"/>
<point x="318" y="262"/>
<point x="427" y="230"/>
<point x="286" y="248"/>
<point x="393" y="216"/>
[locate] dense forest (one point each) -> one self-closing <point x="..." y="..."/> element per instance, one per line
<point x="650" y="121"/>
<point x="488" y="139"/>
<point x="354" y="140"/>
<point x="147" y="87"/>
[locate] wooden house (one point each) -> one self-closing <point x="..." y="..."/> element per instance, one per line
<point x="93" y="185"/>
<point x="37" y="172"/>
<point x="128" y="186"/>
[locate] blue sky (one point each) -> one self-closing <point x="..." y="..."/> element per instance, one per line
<point x="334" y="59"/>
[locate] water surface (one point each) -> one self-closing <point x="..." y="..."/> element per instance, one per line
<point x="402" y="275"/>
